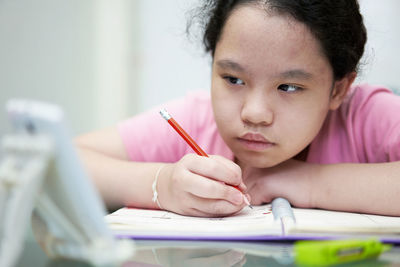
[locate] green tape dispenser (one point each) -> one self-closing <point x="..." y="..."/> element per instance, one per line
<point x="323" y="253"/>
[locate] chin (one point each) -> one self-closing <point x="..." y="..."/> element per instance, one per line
<point x="257" y="161"/>
<point x="264" y="164"/>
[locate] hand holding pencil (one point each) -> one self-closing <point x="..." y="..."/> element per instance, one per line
<point x="217" y="168"/>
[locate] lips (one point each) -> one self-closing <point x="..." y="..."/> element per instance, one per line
<point x="254" y="137"/>
<point x="255" y="141"/>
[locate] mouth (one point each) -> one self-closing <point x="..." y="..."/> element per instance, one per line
<point x="255" y="142"/>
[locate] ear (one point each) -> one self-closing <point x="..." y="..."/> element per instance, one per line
<point x="340" y="89"/>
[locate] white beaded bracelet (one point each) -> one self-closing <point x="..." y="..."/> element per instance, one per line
<point x="154" y="187"/>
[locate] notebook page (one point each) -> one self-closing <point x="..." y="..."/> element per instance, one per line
<point x="140" y="221"/>
<point x="315" y="220"/>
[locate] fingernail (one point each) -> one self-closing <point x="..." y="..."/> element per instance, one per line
<point x="243" y="186"/>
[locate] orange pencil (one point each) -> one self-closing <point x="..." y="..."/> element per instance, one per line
<point x="191" y="142"/>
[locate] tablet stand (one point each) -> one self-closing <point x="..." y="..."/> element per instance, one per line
<point x="26" y="166"/>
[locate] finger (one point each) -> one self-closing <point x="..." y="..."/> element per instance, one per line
<point x="207" y="188"/>
<point x="198" y="213"/>
<point x="212" y="168"/>
<point x="259" y="196"/>
<point x="228" y="163"/>
<point x="215" y="208"/>
<point x="234" y="168"/>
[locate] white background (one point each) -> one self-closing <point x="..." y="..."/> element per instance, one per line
<point x="104" y="60"/>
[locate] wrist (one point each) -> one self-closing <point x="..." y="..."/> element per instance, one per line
<point x="313" y="178"/>
<point x="155" y="186"/>
<point x="163" y="183"/>
<point x="296" y="181"/>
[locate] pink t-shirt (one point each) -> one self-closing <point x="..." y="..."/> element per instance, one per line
<point x="365" y="129"/>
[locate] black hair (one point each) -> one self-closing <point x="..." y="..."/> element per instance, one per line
<point x="337" y="24"/>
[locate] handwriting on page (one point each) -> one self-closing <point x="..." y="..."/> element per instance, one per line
<point x="156" y="219"/>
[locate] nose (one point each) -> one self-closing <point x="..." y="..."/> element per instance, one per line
<point x="257" y="108"/>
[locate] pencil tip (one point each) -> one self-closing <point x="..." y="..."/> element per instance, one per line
<point x="250" y="206"/>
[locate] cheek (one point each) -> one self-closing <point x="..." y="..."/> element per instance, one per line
<point x="223" y="110"/>
<point x="219" y="106"/>
<point x="226" y="111"/>
<point x="303" y="123"/>
<point x="225" y="104"/>
<point x="302" y="119"/>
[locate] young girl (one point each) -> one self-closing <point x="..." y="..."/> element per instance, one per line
<point x="283" y="120"/>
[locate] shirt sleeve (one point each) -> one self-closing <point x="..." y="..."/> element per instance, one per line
<point x="376" y="122"/>
<point x="149" y="138"/>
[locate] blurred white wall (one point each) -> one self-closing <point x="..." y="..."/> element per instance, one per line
<point x="105" y="60"/>
<point x="77" y="54"/>
<point x="382" y="54"/>
<point x="171" y="63"/>
<point x="46" y="53"/>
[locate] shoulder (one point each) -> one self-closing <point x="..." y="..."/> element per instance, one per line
<point x="370" y="120"/>
<point x="363" y="94"/>
<point x="371" y="104"/>
<point x="147" y="137"/>
<point x="197" y="118"/>
<point x="375" y="122"/>
<point x="193" y="110"/>
<point x="199" y="104"/>
<point x="183" y="109"/>
<point x="197" y="100"/>
<point x="365" y="128"/>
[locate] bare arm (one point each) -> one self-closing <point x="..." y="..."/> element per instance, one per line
<point x="117" y="178"/>
<point x="194" y="185"/>
<point x="365" y="188"/>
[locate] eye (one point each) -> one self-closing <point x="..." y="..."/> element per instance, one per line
<point x="234" y="80"/>
<point x="289" y="88"/>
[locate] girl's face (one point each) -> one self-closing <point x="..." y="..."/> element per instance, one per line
<point x="271" y="86"/>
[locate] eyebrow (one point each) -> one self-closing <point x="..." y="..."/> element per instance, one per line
<point x="231" y="65"/>
<point x="296" y="74"/>
<point x="289" y="74"/>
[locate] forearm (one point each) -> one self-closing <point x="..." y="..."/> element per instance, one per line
<point x="120" y="182"/>
<point x="365" y="188"/>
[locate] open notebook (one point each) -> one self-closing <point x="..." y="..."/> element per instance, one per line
<point x="267" y="222"/>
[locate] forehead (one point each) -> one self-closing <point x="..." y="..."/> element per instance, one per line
<point x="254" y="35"/>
